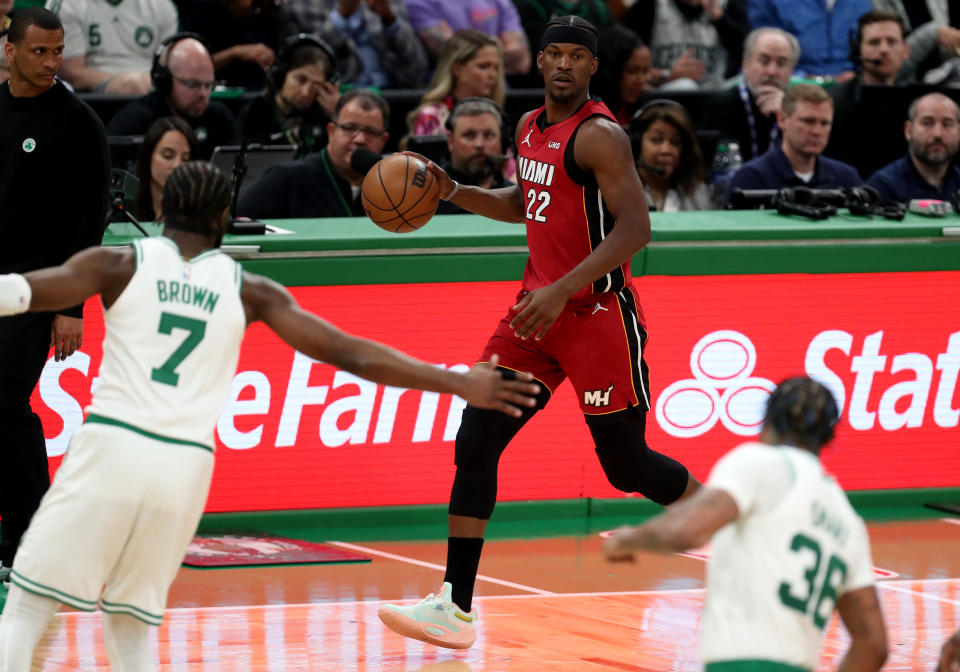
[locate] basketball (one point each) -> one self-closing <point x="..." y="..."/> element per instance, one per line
<point x="399" y="194"/>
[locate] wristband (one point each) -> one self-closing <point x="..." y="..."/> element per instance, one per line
<point x="456" y="188"/>
<point x="15" y="294"/>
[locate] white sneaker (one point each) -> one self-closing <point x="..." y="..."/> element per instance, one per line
<point x="435" y="620"/>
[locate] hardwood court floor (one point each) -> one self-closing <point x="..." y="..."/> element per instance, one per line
<point x="545" y="604"/>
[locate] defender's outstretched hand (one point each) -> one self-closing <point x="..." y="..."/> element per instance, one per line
<point x="618" y="547"/>
<point x="488" y="388"/>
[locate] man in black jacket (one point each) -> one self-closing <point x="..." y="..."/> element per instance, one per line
<point x="54" y="175"/>
<point x="323" y="184"/>
<point x="747" y="114"/>
<point x="183" y="79"/>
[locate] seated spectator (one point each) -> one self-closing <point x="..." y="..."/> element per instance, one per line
<point x="932" y="33"/>
<point x="373" y="40"/>
<point x="823" y="29"/>
<point x="697" y="41"/>
<point x="471" y="65"/>
<point x="323" y="184"/>
<point x="108" y="46"/>
<point x="243" y="36"/>
<point x="805" y="122"/>
<point x="6" y="9"/>
<point x="301" y="95"/>
<point x="669" y="158"/>
<point x="747" y="113"/>
<point x="477" y="148"/>
<point x="436" y="21"/>
<point x="881" y="53"/>
<point x="624" y="72"/>
<point x="534" y="15"/>
<point x="168" y="143"/>
<point x="927" y="171"/>
<point x="182" y="76"/>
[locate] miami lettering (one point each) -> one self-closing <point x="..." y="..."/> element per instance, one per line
<point x="535" y="171"/>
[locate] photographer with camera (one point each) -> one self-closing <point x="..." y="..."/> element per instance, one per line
<point x="54" y="170"/>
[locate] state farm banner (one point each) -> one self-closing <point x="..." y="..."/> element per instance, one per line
<point x="297" y="433"/>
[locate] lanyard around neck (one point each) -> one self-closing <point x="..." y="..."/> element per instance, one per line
<point x="752" y="122"/>
<point x="336" y="186"/>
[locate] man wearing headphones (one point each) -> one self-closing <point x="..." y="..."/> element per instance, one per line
<point x="476" y="145"/>
<point x="182" y="76"/>
<point x="300" y="98"/>
<point x="787" y="547"/>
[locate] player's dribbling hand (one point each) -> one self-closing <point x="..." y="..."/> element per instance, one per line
<point x="444" y="182"/>
<point x="617" y="547"/>
<point x="537" y="311"/>
<point x="488" y="388"/>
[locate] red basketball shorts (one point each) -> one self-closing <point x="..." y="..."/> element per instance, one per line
<point x="597" y="342"/>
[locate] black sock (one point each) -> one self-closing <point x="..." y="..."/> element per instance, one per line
<point x="463" y="560"/>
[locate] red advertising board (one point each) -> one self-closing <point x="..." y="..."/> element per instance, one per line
<point x="300" y="434"/>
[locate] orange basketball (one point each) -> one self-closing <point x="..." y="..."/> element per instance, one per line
<point x="399" y="194"/>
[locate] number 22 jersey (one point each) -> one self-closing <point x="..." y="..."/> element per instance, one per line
<point x="172" y="344"/>
<point x="565" y="214"/>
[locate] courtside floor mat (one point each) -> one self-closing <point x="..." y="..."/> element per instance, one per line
<point x="244" y="549"/>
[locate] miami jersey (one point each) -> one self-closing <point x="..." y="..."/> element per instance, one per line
<point x="115" y="36"/>
<point x="565" y="214"/>
<point x="777" y="571"/>
<point x="172" y="344"/>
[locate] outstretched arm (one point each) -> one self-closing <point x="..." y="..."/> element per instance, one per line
<point x="860" y="613"/>
<point x="950" y="654"/>
<point x="482" y="386"/>
<point x="603" y="149"/>
<point x="96" y="270"/>
<point x="689" y="524"/>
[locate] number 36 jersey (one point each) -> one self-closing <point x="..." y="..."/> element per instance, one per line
<point x="565" y="214"/>
<point x="172" y="344"/>
<point x="776" y="572"/>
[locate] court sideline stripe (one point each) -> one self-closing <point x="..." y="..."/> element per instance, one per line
<point x="952" y="521"/>
<point x="430" y="565"/>
<point x="926" y="596"/>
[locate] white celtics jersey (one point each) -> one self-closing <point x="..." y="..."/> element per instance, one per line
<point x="776" y="572"/>
<point x="172" y="344"/>
<point x="116" y="36"/>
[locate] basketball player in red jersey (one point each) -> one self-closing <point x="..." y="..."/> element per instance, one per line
<point x="577" y="315"/>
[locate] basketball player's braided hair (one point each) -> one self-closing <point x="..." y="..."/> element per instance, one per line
<point x="802" y="412"/>
<point x="194" y="197"/>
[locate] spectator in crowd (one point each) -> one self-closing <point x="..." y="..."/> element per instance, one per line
<point x="324" y="184"/>
<point x="823" y="29"/>
<point x="881" y="51"/>
<point x="471" y="65"/>
<point x="534" y="15"/>
<point x="932" y="33"/>
<point x="691" y="40"/>
<point x="109" y="45"/>
<point x="927" y="171"/>
<point x="805" y="122"/>
<point x="436" y="21"/>
<point x="243" y="36"/>
<point x="301" y="94"/>
<point x="373" y="40"/>
<point x="477" y="147"/>
<point x="169" y="142"/>
<point x="54" y="171"/>
<point x="6" y="7"/>
<point x="182" y="76"/>
<point x="747" y="113"/>
<point x="624" y="72"/>
<point x="669" y="158"/>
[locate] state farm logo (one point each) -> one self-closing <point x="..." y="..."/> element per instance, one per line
<point x="722" y="388"/>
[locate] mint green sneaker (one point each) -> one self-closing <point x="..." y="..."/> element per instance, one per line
<point x="434" y="620"/>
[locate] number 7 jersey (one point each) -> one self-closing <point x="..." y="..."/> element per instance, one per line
<point x="565" y="214"/>
<point x="172" y="344"/>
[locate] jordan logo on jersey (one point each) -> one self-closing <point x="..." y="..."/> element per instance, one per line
<point x="526" y="140"/>
<point x="535" y="171"/>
